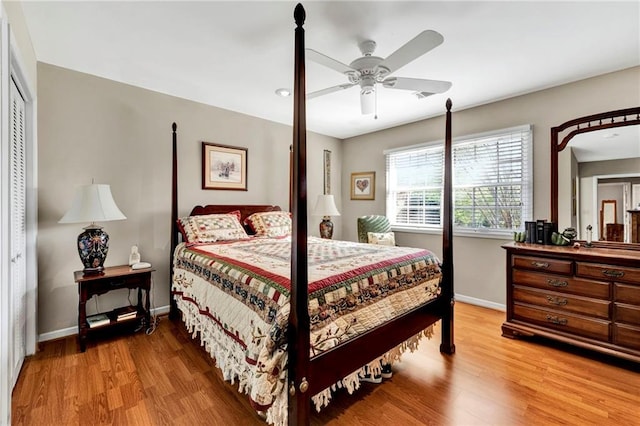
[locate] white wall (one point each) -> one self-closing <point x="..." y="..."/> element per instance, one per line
<point x="480" y="263"/>
<point x="93" y="128"/>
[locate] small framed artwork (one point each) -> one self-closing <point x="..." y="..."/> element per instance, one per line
<point x="327" y="171"/>
<point x="363" y="186"/>
<point x="224" y="167"/>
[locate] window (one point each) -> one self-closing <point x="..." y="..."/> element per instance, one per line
<point x="492" y="183"/>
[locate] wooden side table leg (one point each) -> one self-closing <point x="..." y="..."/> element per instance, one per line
<point x="139" y="305"/>
<point x="82" y="321"/>
<point x="147" y="306"/>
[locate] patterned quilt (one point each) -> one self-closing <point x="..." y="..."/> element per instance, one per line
<point x="235" y="295"/>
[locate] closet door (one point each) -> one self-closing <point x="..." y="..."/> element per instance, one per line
<point x="18" y="273"/>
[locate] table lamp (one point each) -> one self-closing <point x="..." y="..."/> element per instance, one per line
<point x="93" y="203"/>
<point x="326" y="207"/>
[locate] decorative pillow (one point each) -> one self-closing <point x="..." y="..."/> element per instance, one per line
<point x="237" y="214"/>
<point x="270" y="224"/>
<point x="211" y="228"/>
<point x="381" y="238"/>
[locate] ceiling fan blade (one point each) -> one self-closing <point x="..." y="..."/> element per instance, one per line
<point x="328" y="62"/>
<point x="413" y="49"/>
<point x="417" y="84"/>
<point x="329" y="90"/>
<point x="368" y="102"/>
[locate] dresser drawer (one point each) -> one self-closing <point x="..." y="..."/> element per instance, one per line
<point x="627" y="293"/>
<point x="627" y="313"/>
<point x="626" y="335"/>
<point x="556" y="266"/>
<point x="563" y="302"/>
<point x="581" y="287"/>
<point x="619" y="274"/>
<point x="562" y="321"/>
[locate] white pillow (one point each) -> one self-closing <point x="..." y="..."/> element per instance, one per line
<point x="381" y="238"/>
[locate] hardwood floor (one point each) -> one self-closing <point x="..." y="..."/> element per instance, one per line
<point x="167" y="379"/>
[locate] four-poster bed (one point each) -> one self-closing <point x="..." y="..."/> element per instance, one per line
<point x="321" y="319"/>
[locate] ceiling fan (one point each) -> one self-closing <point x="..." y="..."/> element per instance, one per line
<point x="368" y="70"/>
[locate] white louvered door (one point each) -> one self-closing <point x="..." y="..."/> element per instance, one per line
<point x="18" y="273"/>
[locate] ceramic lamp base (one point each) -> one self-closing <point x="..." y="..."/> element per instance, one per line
<point x="93" y="245"/>
<point x="326" y="228"/>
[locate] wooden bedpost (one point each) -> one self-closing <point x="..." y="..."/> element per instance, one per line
<point x="298" y="327"/>
<point x="173" y="308"/>
<point x="290" y="178"/>
<point x="447" y="345"/>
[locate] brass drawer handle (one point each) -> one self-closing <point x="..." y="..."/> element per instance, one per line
<point x="555" y="320"/>
<point x="557" y="283"/>
<point x="558" y="301"/>
<point x="541" y="265"/>
<point x="613" y="273"/>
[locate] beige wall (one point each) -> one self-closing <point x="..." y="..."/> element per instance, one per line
<point x="610" y="167"/>
<point x="118" y="134"/>
<point x="479" y="262"/>
<point x="93" y="128"/>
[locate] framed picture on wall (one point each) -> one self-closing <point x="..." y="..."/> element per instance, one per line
<point x="363" y="186"/>
<point x="224" y="167"/>
<point x="327" y="171"/>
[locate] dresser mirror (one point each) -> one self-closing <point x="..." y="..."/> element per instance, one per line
<point x="595" y="177"/>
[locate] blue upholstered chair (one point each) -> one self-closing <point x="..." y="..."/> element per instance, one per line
<point x="372" y="223"/>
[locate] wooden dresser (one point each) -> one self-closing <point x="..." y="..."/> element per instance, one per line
<point x="588" y="297"/>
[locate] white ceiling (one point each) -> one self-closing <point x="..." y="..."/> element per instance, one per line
<point x="608" y="144"/>
<point x="234" y="55"/>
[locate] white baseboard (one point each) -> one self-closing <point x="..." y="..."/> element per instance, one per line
<point x="65" y="332"/>
<point x="57" y="334"/>
<point x="480" y="302"/>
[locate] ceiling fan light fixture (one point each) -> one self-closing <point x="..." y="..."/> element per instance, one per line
<point x="368" y="103"/>
<point x="367" y="85"/>
<point x="367" y="90"/>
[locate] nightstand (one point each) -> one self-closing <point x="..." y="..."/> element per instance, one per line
<point x="112" y="278"/>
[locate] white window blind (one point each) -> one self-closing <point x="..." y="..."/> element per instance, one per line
<point x="492" y="183"/>
<point x="414" y="186"/>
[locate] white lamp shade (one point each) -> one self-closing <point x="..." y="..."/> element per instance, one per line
<point x="326" y="206"/>
<point x="92" y="203"/>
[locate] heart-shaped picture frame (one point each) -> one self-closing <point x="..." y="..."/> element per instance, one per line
<point x="363" y="186"/>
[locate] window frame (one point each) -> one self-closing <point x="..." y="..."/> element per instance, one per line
<point x="526" y="183"/>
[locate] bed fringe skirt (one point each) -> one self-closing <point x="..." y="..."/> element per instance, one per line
<point x="352" y="381"/>
<point x="211" y="337"/>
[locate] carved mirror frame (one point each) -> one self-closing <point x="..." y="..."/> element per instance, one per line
<point x="571" y="128"/>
